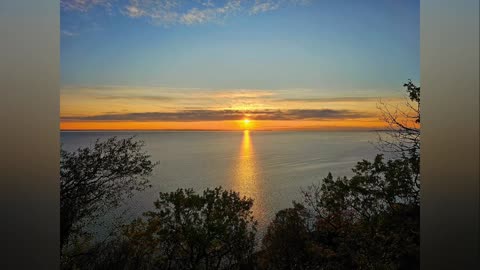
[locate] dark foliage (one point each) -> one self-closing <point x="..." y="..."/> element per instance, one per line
<point x="95" y="179"/>
<point x="215" y="230"/>
<point x="287" y="243"/>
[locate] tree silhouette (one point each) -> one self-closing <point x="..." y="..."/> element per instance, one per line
<point x="96" y="179"/>
<point x="403" y="125"/>
<point x="214" y="230"/>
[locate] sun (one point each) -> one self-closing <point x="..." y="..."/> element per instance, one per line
<point x="246" y="123"/>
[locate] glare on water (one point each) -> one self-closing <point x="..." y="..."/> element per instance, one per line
<point x="247" y="176"/>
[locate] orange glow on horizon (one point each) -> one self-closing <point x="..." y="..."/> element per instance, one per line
<point x="237" y="125"/>
<point x="92" y="108"/>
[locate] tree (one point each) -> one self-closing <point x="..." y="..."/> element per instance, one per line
<point x="374" y="215"/>
<point x="96" y="179"/>
<point x="215" y="230"/>
<point x="287" y="243"/>
<point x="403" y="125"/>
<point x="403" y="129"/>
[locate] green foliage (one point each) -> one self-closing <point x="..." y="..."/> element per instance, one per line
<point x="96" y="179"/>
<point x="376" y="187"/>
<point x="215" y="230"/>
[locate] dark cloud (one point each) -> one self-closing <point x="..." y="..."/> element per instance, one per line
<point x="213" y="115"/>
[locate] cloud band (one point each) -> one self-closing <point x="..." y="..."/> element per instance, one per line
<point x="225" y="115"/>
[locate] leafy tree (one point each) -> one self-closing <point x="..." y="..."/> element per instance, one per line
<point x="373" y="215"/>
<point x="214" y="230"/>
<point x="287" y="243"/>
<point x="96" y="179"/>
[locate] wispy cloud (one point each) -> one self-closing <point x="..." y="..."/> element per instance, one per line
<point x="261" y="6"/>
<point x="243" y="94"/>
<point x="85" y="5"/>
<point x="330" y="99"/>
<point x="225" y="115"/>
<point x="69" y="33"/>
<point x="172" y="12"/>
<point x="135" y="97"/>
<point x="264" y="6"/>
<point x="168" y="12"/>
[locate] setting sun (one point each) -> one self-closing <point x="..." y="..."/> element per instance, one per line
<point x="246" y="124"/>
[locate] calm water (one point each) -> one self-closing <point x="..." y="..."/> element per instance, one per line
<point x="270" y="167"/>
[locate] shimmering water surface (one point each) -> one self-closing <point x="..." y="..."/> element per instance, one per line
<point x="270" y="167"/>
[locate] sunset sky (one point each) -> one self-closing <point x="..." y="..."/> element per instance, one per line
<point x="208" y="65"/>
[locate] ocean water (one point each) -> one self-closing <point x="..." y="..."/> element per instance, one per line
<point x="270" y="167"/>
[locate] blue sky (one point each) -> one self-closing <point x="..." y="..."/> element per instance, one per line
<point x="333" y="44"/>
<point x="329" y="47"/>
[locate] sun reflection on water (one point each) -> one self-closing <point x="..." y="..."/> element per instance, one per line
<point x="247" y="177"/>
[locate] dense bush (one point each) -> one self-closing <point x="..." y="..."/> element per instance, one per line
<point x="214" y="230"/>
<point x="368" y="221"/>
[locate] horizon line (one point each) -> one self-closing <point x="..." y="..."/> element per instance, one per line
<point x="217" y="130"/>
